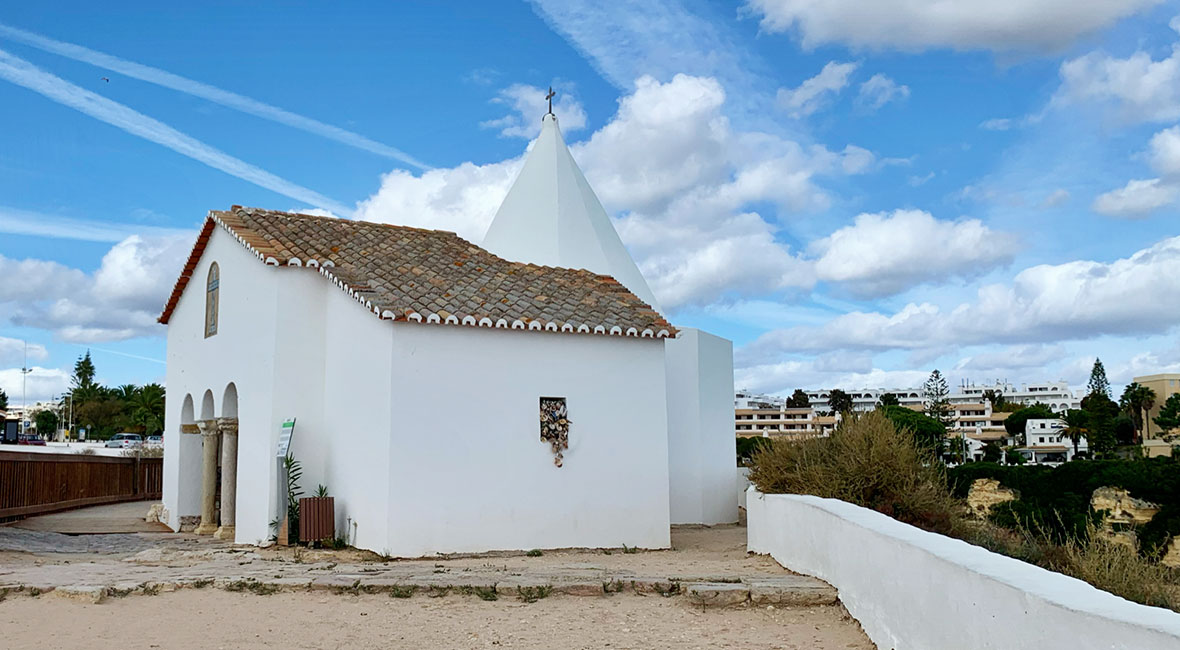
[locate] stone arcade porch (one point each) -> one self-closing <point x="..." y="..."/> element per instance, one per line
<point x="219" y="457"/>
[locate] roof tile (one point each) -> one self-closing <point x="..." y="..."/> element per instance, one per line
<point x="403" y="270"/>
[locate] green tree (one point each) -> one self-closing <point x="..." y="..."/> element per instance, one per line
<point x="1136" y="400"/>
<point x="1076" y="423"/>
<point x="992" y="452"/>
<point x="1101" y="413"/>
<point x="1015" y="423"/>
<point x="936" y="395"/>
<point x="995" y="397"/>
<point x="840" y="402"/>
<point x="928" y="432"/>
<point x="46" y="423"/>
<point x="3" y="400"/>
<point x="1098" y="383"/>
<point x="83" y="372"/>
<point x="889" y="399"/>
<point x="146" y="409"/>
<point x="798" y="400"/>
<point x="1169" y="418"/>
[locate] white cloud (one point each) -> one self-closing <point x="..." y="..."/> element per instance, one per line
<point x="42" y="384"/>
<point x="13" y="351"/>
<point x="880" y="90"/>
<point x="1136" y="199"/>
<point x="626" y="40"/>
<point x="23" y="73"/>
<point x="814" y="92"/>
<point x="205" y="91"/>
<point x="1139" y="88"/>
<point x="25" y="222"/>
<point x="913" y="25"/>
<point x="1055" y="198"/>
<point x="996" y="124"/>
<point x="1164" y="152"/>
<point x="683" y="179"/>
<point x="121" y="300"/>
<point x="1012" y="357"/>
<point x="527" y="105"/>
<point x="1071" y="301"/>
<point x="883" y="253"/>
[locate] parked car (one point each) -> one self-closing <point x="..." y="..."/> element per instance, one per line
<point x="28" y="439"/>
<point x="125" y="440"/>
<point x="154" y="441"/>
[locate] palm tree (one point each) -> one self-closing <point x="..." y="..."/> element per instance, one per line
<point x="1136" y="400"/>
<point x="1076" y="422"/>
<point x="147" y="408"/>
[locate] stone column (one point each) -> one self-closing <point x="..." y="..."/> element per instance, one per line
<point x="209" y="438"/>
<point x="229" y="477"/>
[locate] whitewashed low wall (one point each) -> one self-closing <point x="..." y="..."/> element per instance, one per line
<point x="911" y="589"/>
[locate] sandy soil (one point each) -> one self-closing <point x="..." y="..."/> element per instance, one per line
<point x="216" y="619"/>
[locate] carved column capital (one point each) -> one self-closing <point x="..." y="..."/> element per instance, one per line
<point x="227" y="426"/>
<point x="190" y="428"/>
<point x="208" y="428"/>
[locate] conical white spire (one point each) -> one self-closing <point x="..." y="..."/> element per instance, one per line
<point x="552" y="217"/>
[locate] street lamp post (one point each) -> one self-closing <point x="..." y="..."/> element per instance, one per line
<point x="24" y="391"/>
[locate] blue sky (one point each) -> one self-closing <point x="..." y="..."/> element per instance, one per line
<point x="853" y="197"/>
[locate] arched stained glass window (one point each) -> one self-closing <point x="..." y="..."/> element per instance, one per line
<point x="211" y="295"/>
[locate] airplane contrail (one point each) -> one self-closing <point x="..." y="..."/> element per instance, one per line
<point x="23" y="73"/>
<point x="205" y="91"/>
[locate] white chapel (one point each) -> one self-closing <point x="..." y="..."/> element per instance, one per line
<point x="525" y="394"/>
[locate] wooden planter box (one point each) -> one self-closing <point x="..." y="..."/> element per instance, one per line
<point x="317" y="519"/>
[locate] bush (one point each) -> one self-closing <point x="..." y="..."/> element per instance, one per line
<point x="927" y="431"/>
<point x="1058" y="499"/>
<point x="747" y="446"/>
<point x="867" y="461"/>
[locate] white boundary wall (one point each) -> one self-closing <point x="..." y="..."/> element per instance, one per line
<point x="911" y="589"/>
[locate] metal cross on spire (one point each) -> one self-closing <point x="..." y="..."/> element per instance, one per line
<point x="550" y="98"/>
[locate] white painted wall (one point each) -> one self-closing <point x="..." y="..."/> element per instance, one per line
<point x="359" y="373"/>
<point x="241" y="352"/>
<point x="701" y="447"/>
<point x="914" y="589"/>
<point x="469" y="471"/>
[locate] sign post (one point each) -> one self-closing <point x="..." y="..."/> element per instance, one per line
<point x="286" y="430"/>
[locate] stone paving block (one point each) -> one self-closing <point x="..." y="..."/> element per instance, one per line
<point x="339" y="581"/>
<point x="717" y="594"/>
<point x="579" y="588"/>
<point x="661" y="586"/>
<point x="92" y="594"/>
<point x="791" y="590"/>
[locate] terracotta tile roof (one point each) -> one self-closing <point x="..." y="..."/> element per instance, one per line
<point x="432" y="276"/>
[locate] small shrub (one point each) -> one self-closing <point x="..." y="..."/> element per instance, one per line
<point x="533" y="594"/>
<point x="867" y="461"/>
<point x="534" y="553"/>
<point x="630" y="550"/>
<point x="402" y="591"/>
<point x="485" y="593"/>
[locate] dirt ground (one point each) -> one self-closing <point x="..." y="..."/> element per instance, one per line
<point x="216" y="619"/>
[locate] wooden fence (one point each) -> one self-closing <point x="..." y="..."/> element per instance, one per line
<point x="34" y="483"/>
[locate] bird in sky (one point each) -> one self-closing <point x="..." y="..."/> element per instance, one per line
<point x="105" y="79"/>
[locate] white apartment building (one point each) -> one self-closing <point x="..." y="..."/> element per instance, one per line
<point x="768" y="416"/>
<point x="1046" y="442"/>
<point x="1057" y="395"/>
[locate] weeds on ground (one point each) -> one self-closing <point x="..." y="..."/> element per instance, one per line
<point x="536" y="552"/>
<point x="533" y="594"/>
<point x="630" y="550"/>
<point x="402" y="591"/>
